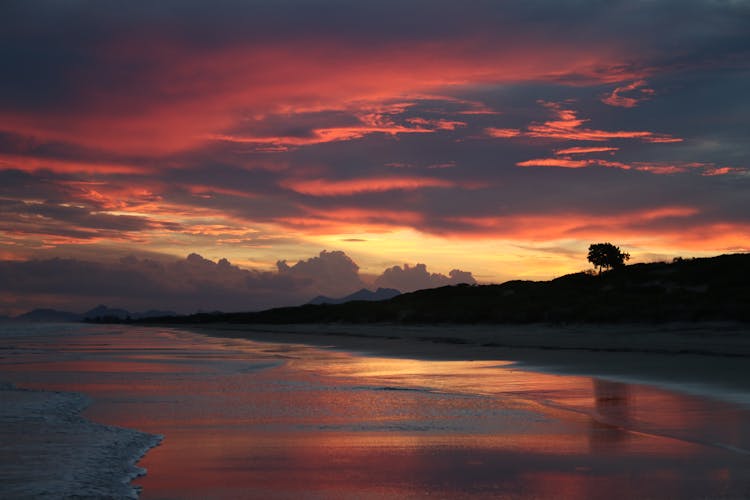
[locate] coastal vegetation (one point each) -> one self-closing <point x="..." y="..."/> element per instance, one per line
<point x="606" y="256"/>
<point x="701" y="289"/>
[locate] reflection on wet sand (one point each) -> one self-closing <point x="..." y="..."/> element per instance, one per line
<point x="611" y="416"/>
<point x="247" y="419"/>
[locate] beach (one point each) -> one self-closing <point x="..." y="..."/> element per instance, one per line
<point x="334" y="411"/>
<point x="710" y="359"/>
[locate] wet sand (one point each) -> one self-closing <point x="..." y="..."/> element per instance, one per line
<point x="281" y="419"/>
<point x="708" y="359"/>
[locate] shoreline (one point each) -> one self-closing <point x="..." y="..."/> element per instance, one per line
<point x="706" y="359"/>
<point x="51" y="451"/>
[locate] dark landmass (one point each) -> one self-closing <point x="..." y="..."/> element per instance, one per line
<point x="48" y="315"/>
<point x="100" y="313"/>
<point x="363" y="294"/>
<point x="689" y="290"/>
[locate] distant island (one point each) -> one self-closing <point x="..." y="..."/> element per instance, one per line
<point x="99" y="314"/>
<point x="685" y="290"/>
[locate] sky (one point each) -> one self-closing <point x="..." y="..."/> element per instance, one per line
<point x="245" y="154"/>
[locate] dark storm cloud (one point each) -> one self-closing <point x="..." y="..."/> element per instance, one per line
<point x="194" y="283"/>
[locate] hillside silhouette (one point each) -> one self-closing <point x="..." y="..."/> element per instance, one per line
<point x="363" y="294"/>
<point x="702" y="289"/>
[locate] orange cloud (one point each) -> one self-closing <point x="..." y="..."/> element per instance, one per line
<point x="637" y="92"/>
<point x="437" y="124"/>
<point x="352" y="220"/>
<point x="658" y="168"/>
<point x="724" y="171"/>
<point x="180" y="96"/>
<point x="504" y="133"/>
<point x="325" y="187"/>
<point x="662" y="139"/>
<point x="555" y="162"/>
<point x="211" y="191"/>
<point x="567" y="126"/>
<point x="667" y="168"/>
<point x="320" y="136"/>
<point x="664" y="227"/>
<point x="29" y="163"/>
<point x="571" y="163"/>
<point x="585" y="150"/>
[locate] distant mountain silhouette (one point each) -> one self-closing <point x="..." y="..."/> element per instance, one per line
<point x="100" y="313"/>
<point x="50" y="315"/>
<point x="363" y="294"/>
<point x="704" y="289"/>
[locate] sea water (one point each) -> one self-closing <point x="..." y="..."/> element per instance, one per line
<point x="245" y="419"/>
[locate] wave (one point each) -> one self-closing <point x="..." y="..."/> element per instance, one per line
<point x="60" y="454"/>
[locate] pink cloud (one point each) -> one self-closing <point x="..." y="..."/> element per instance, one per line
<point x="373" y="117"/>
<point x="628" y="96"/>
<point x="503" y="133"/>
<point x="326" y="187"/>
<point x="567" y="162"/>
<point x="667" y="223"/>
<point x="31" y="163"/>
<point x="668" y="168"/>
<point x="219" y="87"/>
<point x="724" y="171"/>
<point x="585" y="150"/>
<point x="555" y="162"/>
<point x="567" y="126"/>
<point x="657" y="168"/>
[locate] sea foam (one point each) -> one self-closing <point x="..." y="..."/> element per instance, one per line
<point x="50" y="451"/>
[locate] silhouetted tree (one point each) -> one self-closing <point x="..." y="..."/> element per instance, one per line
<point x="606" y="255"/>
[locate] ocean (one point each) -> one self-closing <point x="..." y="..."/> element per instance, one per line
<point x="232" y="418"/>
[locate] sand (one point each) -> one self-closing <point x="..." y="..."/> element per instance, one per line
<point x="709" y="359"/>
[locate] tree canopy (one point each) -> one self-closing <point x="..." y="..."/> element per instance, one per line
<point x="606" y="256"/>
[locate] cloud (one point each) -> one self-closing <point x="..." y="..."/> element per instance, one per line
<point x="503" y="133"/>
<point x="123" y="93"/>
<point x="194" y="283"/>
<point x="578" y="150"/>
<point x="330" y="273"/>
<point x="250" y="129"/>
<point x="72" y="222"/>
<point x="323" y="187"/>
<point x="554" y="162"/>
<point x="183" y="285"/>
<point x="566" y="125"/>
<point x="630" y="95"/>
<point x="410" y="278"/>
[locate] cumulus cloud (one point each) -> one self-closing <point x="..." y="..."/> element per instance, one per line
<point x="192" y="284"/>
<point x="184" y="285"/>
<point x="410" y="278"/>
<point x="330" y="273"/>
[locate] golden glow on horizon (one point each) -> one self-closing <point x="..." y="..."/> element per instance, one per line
<point x="315" y="143"/>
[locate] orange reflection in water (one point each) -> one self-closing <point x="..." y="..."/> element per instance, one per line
<point x="245" y="419"/>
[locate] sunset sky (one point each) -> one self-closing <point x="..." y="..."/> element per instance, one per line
<point x="497" y="138"/>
